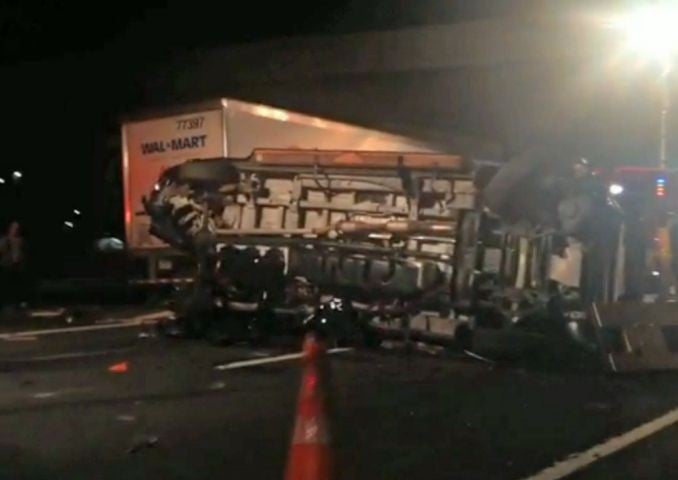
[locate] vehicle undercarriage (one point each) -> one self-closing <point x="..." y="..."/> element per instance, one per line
<point x="420" y="246"/>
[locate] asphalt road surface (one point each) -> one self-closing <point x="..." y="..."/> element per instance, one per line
<point x="171" y="415"/>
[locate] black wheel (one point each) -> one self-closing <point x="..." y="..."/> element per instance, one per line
<point x="260" y="328"/>
<point x="463" y="338"/>
<point x="371" y="338"/>
<point x="194" y="310"/>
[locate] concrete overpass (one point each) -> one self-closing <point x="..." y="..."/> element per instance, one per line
<point x="486" y="87"/>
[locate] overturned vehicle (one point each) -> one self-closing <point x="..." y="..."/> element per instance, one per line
<point x="418" y="246"/>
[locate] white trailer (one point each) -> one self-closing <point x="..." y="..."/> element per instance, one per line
<point x="225" y="127"/>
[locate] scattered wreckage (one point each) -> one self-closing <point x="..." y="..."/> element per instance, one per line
<point x="418" y="246"/>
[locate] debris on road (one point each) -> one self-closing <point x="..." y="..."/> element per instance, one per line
<point x="121" y="367"/>
<point x="638" y="336"/>
<point x="143" y="441"/>
<point x="260" y="354"/>
<point x="126" y="418"/>
<point x="42" y="395"/>
<point x="475" y="356"/>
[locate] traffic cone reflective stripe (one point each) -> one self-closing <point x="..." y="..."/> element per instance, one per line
<point x="310" y="456"/>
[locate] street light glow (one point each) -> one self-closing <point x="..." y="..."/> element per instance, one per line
<point x="2" y="181"/>
<point x="650" y="31"/>
<point x="616" y="189"/>
<point x="16" y="175"/>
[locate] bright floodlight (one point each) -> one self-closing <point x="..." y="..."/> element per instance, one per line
<point x="68" y="224"/>
<point x="2" y="181"/>
<point x="16" y="175"/>
<point x="76" y="212"/>
<point x="616" y="189"/>
<point x="651" y="31"/>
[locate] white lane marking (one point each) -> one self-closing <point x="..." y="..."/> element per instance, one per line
<point x="123" y="323"/>
<point x="70" y="355"/>
<point x="47" y="313"/>
<point x="14" y="335"/>
<point x="24" y="338"/>
<point x="581" y="460"/>
<point x="56" y="393"/>
<point x="279" y="358"/>
<point x="105" y="321"/>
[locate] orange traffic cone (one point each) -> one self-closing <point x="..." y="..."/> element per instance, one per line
<point x="310" y="456"/>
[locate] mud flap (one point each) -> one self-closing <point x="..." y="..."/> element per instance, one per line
<point x="636" y="336"/>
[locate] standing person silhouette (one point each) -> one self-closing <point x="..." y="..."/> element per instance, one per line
<point x="12" y="265"/>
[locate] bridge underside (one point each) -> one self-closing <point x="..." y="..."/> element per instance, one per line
<point x="486" y="88"/>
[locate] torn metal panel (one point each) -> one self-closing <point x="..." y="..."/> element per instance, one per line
<point x="637" y="336"/>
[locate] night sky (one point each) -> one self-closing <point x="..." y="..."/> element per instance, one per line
<point x="69" y="71"/>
